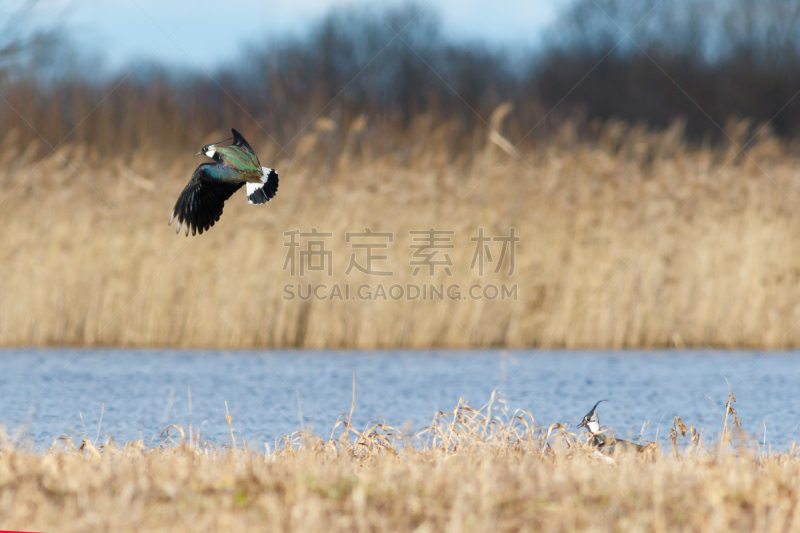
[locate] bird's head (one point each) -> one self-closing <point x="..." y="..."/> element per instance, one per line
<point x="210" y="150"/>
<point x="591" y="421"/>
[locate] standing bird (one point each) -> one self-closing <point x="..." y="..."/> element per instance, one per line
<point x="605" y="444"/>
<point x="200" y="204"/>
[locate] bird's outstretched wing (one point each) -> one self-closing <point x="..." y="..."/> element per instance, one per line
<point x="240" y="141"/>
<point x="200" y="204"/>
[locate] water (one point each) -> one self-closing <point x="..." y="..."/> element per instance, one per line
<point x="44" y="392"/>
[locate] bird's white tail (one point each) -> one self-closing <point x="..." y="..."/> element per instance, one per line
<point x="261" y="193"/>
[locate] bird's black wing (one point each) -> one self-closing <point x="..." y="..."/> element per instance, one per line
<point x="200" y="204"/>
<point x="240" y="141"/>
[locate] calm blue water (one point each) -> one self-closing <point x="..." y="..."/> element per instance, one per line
<point x="44" y="392"/>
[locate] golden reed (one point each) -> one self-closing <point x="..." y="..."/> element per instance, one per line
<point x="470" y="470"/>
<point x="632" y="238"/>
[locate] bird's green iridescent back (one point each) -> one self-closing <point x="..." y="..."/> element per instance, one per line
<point x="247" y="166"/>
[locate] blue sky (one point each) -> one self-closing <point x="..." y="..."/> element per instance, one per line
<point x="207" y="33"/>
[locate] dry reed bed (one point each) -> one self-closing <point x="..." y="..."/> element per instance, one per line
<point x="471" y="470"/>
<point x="632" y="239"/>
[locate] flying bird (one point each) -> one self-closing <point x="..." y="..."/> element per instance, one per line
<point x="200" y="204"/>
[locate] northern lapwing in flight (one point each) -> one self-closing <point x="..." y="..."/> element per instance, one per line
<point x="605" y="444"/>
<point x="200" y="204"/>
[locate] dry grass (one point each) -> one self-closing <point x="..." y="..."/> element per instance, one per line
<point x="632" y="239"/>
<point x="471" y="470"/>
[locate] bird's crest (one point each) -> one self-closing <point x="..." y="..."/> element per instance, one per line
<point x="212" y="145"/>
<point x="240" y="141"/>
<point x="591" y="421"/>
<point x="595" y="405"/>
